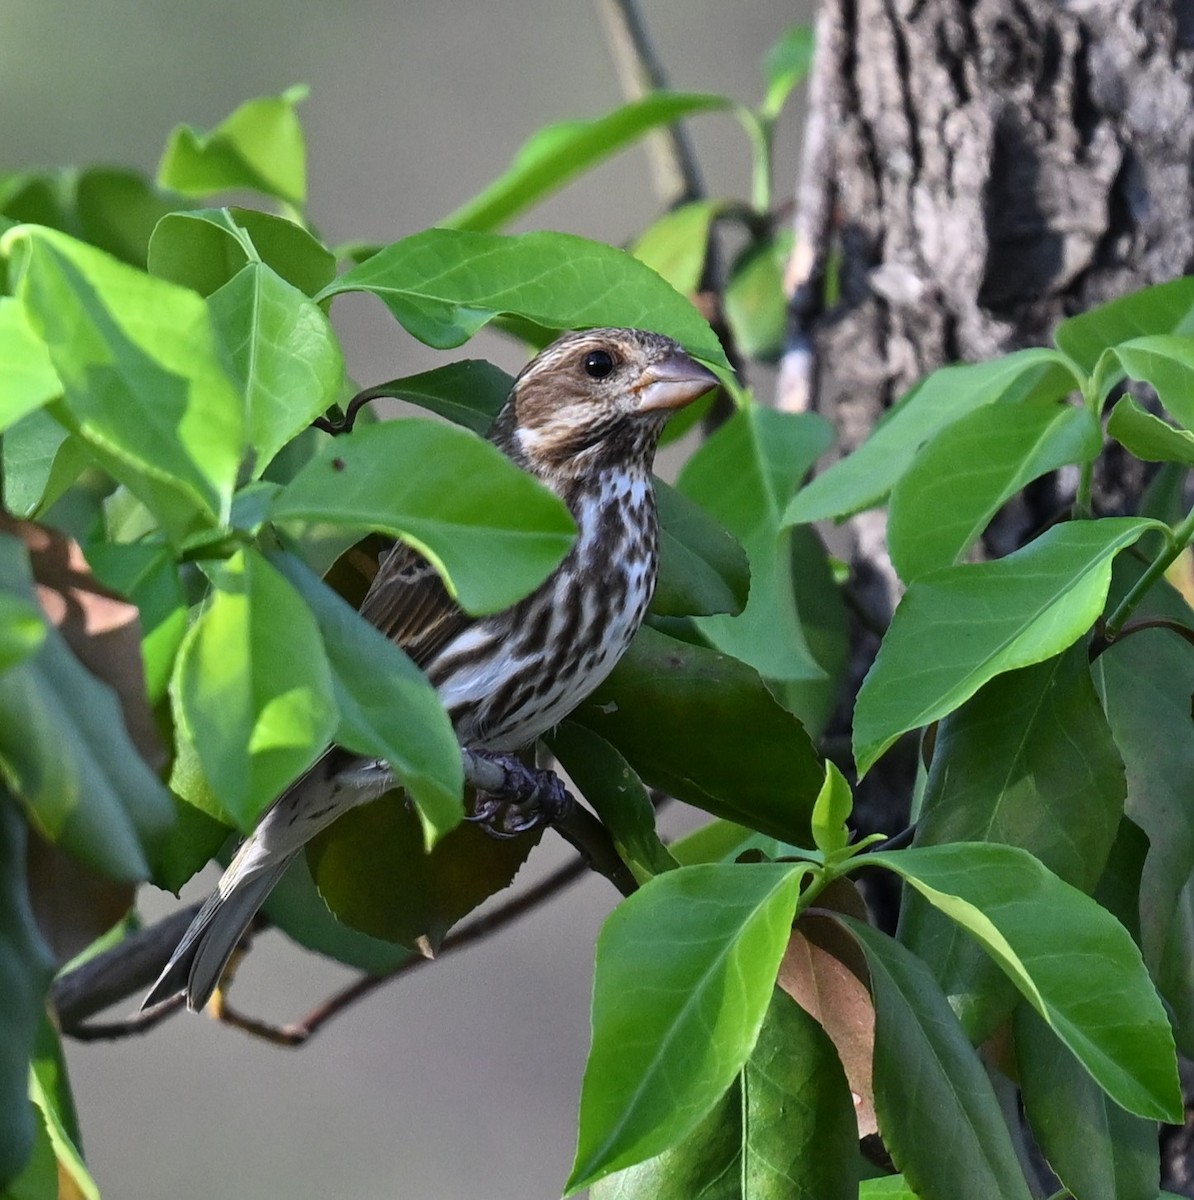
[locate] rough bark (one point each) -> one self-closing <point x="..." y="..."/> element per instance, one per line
<point x="974" y="172"/>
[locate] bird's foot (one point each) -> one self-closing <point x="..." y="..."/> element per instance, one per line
<point x="522" y="799"/>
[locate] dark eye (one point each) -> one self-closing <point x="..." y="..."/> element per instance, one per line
<point x="598" y="364"/>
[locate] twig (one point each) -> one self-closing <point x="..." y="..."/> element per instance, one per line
<point x="345" y="423"/>
<point x="1102" y="641"/>
<point x="673" y="161"/>
<point x="300" y="1031"/>
<point x="139" y="1022"/>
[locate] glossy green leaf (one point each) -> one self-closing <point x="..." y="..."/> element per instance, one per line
<point x="703" y="569"/>
<point x="387" y="708"/>
<point x="259" y="146"/>
<point x="253" y="685"/>
<point x="144" y="382"/>
<point x="677" y="243"/>
<point x="117" y="210"/>
<point x="1167" y="363"/>
<point x="558" y="153"/>
<point x="469" y="392"/>
<point x="1096" y="1149"/>
<point x="1165" y="308"/>
<point x="1029" y="761"/>
<point x="27" y="377"/>
<point x="960" y="626"/>
<point x="25" y="971"/>
<point x="492" y="531"/>
<point x="703" y="727"/>
<point x="965" y="474"/>
<point x="205" y="248"/>
<point x="689" y="961"/>
<point x="786" y="64"/>
<point x="1147" y="436"/>
<point x="784" y="1131"/>
<point x="744" y="475"/>
<point x="615" y="793"/>
<point x="1146" y="682"/>
<point x="832" y="811"/>
<point x="863" y="478"/>
<point x="927" y="1077"/>
<point x="1069" y="958"/>
<point x="295" y="907"/>
<point x="67" y="755"/>
<point x="286" y="357"/>
<point x="755" y="304"/>
<point x="373" y="871"/>
<point x="445" y="284"/>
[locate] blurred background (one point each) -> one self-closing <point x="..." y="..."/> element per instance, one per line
<point x="460" y="1080"/>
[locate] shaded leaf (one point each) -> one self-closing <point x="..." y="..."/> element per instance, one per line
<point x="491" y="530"/>
<point x="1048" y="595"/>
<point x="688" y="960"/>
<point x="445" y="284"/>
<point x="32" y="448"/>
<point x="1167" y="363"/>
<point x="50" y="1091"/>
<point x="1149" y="437"/>
<point x="676" y="244"/>
<point x="928" y="1077"/>
<point x="755" y="304"/>
<point x="469" y="392"/>
<point x="117" y="211"/>
<point x="702" y="727"/>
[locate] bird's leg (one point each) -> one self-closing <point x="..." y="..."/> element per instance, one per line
<point x="514" y="798"/>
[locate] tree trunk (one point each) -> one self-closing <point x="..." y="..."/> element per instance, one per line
<point x="974" y="172"/>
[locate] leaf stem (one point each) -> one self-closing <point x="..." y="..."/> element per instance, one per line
<point x="1177" y="539"/>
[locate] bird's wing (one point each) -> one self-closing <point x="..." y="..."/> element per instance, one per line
<point x="408" y="602"/>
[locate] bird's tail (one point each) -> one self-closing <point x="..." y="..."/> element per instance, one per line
<point x="308" y="806"/>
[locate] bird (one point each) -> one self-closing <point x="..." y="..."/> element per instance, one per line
<point x="584" y="418"/>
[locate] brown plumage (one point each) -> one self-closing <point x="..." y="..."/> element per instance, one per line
<point x="584" y="417"/>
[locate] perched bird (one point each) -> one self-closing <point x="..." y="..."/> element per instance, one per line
<point x="584" y="417"/>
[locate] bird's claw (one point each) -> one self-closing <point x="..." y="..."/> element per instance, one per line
<point x="529" y="799"/>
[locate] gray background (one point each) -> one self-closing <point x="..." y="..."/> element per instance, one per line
<point x="462" y="1080"/>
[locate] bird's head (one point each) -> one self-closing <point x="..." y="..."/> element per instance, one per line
<point x="597" y="398"/>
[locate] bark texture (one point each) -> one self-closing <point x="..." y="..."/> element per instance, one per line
<point x="974" y="172"/>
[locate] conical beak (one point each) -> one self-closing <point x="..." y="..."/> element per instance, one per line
<point x="672" y="383"/>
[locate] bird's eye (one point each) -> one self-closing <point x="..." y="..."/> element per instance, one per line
<point x="598" y="364"/>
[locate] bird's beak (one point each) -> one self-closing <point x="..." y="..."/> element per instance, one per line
<point x="673" y="383"/>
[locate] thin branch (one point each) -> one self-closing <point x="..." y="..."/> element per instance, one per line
<point x="673" y="160"/>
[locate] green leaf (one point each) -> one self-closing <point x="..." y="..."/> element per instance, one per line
<point x="703" y="727"/>
<point x="963" y="477"/>
<point x="67" y="755"/>
<point x="887" y="1187"/>
<point x="744" y="475"/>
<point x="702" y="567"/>
<point x="296" y="908"/>
<point x="492" y="531"/>
<point x="1165" y="308"/>
<point x="31" y="448"/>
<point x="615" y="793"/>
<point x="688" y="961"/>
<point x="981" y="619"/>
<point x="260" y="146"/>
<point x="25" y="972"/>
<point x="558" y="153"/>
<point x="928" y="1077"/>
<point x="1167" y="363"/>
<point x="117" y="211"/>
<point x="755" y="304"/>
<point x="675" y="246"/>
<point x="784" y="1131"/>
<point x="387" y="708"/>
<point x="1146" y="681"/>
<point x="22" y="629"/>
<point x="863" y="478"/>
<point x="49" y="1089"/>
<point x="144" y="381"/>
<point x="1069" y="958"/>
<point x="1028" y="762"/>
<point x="254" y="686"/>
<point x="1096" y="1149"/>
<point x="285" y="355"/>
<point x="786" y="64"/>
<point x="28" y="380"/>
<point x="205" y="248"/>
<point x="469" y="392"/>
<point x="1149" y="437"/>
<point x="831" y="812"/>
<point x="445" y="284"/>
<point x="725" y="842"/>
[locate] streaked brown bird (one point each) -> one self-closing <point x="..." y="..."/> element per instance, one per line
<point x="584" y="417"/>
